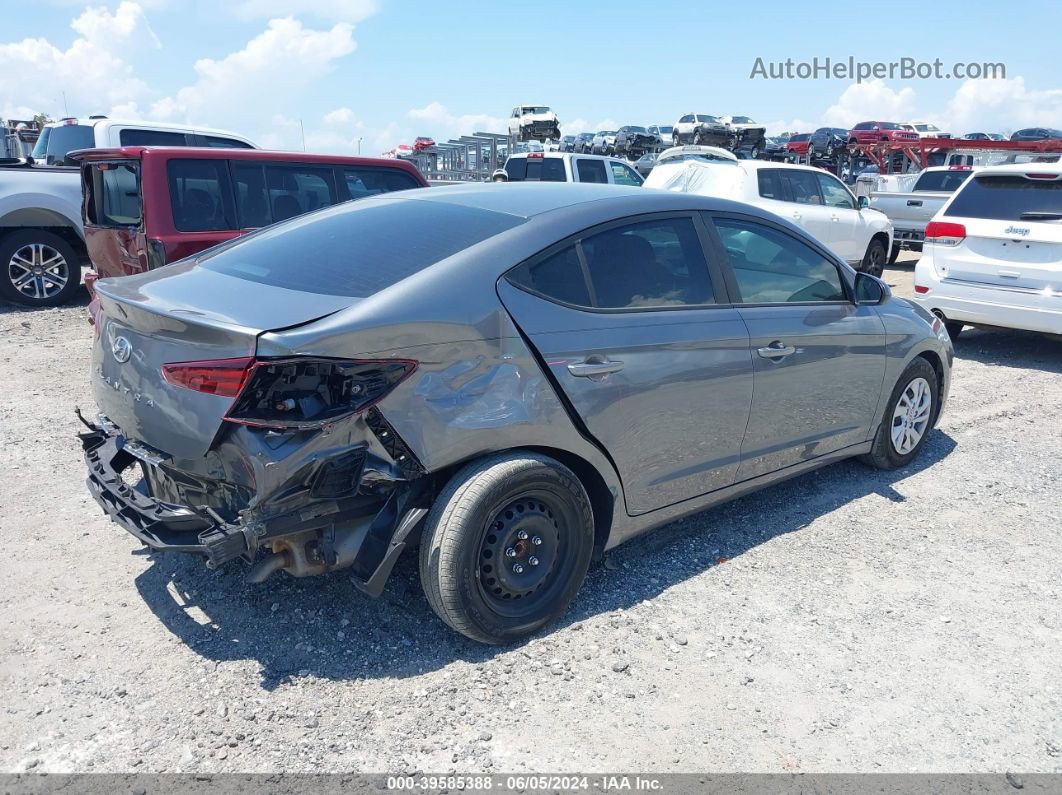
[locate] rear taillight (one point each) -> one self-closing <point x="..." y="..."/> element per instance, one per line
<point x="921" y="289"/>
<point x="222" y="377"/>
<point x="536" y="155"/>
<point x="307" y="393"/>
<point x="944" y="233"/>
<point x="1039" y="175"/>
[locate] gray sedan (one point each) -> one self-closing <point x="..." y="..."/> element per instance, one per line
<point x="513" y="379"/>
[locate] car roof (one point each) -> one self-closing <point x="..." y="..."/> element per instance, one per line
<point x="213" y="152"/>
<point x="529" y="199"/>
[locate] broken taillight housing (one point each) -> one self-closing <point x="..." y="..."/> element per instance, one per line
<point x="308" y="393"/>
<point x="222" y="377"/>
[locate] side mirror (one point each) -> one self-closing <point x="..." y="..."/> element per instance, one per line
<point x="864" y="202"/>
<point x="870" y="290"/>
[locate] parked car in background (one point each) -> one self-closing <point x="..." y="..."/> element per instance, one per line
<point x="563" y="167"/>
<point x="927" y="130"/>
<point x="809" y="197"/>
<point x="604" y="142"/>
<point x="992" y="255"/>
<point x="534" y="122"/>
<point x="797" y="145"/>
<point x="745" y="134"/>
<point x="825" y="141"/>
<point x="584" y="142"/>
<point x="566" y="144"/>
<point x="402" y="150"/>
<point x="910" y="211"/>
<point x="632" y="141"/>
<point x="1036" y="134"/>
<point x="498" y="394"/>
<point x="423" y="142"/>
<point x="644" y="164"/>
<point x="980" y="136"/>
<point x="42" y="241"/>
<point x="145" y="207"/>
<point x="700" y="129"/>
<point x="872" y="132"/>
<point x="664" y="132"/>
<point x="774" y="147"/>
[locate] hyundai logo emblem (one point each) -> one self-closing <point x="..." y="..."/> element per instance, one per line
<point x="121" y="349"/>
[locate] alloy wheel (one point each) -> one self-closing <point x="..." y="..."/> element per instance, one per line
<point x="910" y="418"/>
<point x="38" y="271"/>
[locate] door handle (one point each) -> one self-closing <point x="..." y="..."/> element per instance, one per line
<point x="595" y="365"/>
<point x="798" y="216"/>
<point x="834" y="218"/>
<point x="776" y="350"/>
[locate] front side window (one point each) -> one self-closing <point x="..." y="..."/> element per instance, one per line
<point x="773" y="267"/>
<point x="591" y="170"/>
<point x="622" y="174"/>
<point x="198" y="195"/>
<point x="835" y="194"/>
<point x="648" y="264"/>
<point x="135" y="137"/>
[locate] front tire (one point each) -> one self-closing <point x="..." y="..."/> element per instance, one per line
<point x="506" y="546"/>
<point x="38" y="268"/>
<point x="874" y="260"/>
<point x="909" y="417"/>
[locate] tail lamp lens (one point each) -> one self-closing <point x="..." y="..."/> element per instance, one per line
<point x="945" y="233"/>
<point x="307" y="393"/>
<point x="222" y="377"/>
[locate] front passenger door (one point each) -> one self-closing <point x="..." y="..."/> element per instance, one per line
<point x="844" y="217"/>
<point x="818" y="357"/>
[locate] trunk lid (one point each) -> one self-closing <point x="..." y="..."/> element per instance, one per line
<point x="1023" y="254"/>
<point x="177" y="314"/>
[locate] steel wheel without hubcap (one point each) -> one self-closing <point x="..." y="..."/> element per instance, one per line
<point x="911" y="417"/>
<point x="519" y="554"/>
<point x="37" y="271"/>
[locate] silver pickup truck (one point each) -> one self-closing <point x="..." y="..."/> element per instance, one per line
<point x="911" y="211"/>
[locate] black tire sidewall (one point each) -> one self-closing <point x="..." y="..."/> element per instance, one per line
<point x="867" y="265"/>
<point x="16" y="240"/>
<point x="884" y="454"/>
<point x="456" y="528"/>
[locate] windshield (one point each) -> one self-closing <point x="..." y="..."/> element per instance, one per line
<point x="666" y="129"/>
<point x="926" y="128"/>
<point x="534" y="109"/>
<point x="801" y="137"/>
<point x="707" y="118"/>
<point x="743" y="120"/>
<point x="1007" y="198"/>
<point x="55" y="143"/>
<point x="888" y="125"/>
<point x="636" y="129"/>
<point x="357" y="248"/>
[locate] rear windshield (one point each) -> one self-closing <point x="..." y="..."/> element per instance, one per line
<point x="1007" y="198"/>
<point x="357" y="249"/>
<point x="535" y="169"/>
<point x="55" y="143"/>
<point x="112" y="194"/>
<point x="941" y="181"/>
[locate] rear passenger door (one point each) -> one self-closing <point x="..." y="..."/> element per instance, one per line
<point x="590" y="170"/>
<point x="201" y="205"/>
<point x="268" y="193"/>
<point x="632" y="323"/>
<point x="819" y="357"/>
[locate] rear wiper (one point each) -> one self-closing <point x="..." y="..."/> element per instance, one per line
<point x="1040" y="216"/>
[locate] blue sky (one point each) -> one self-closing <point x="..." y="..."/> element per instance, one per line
<point x="385" y="70"/>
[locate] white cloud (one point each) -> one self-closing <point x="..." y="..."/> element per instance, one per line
<point x="92" y="71"/>
<point x="873" y="101"/>
<point x="1001" y="106"/>
<point x="244" y="90"/>
<point x="445" y="124"/>
<point x="333" y="10"/>
<point x="342" y="115"/>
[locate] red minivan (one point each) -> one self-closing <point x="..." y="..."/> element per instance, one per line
<point x="146" y="206"/>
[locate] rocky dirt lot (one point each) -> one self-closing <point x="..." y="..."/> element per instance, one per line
<point x="849" y="620"/>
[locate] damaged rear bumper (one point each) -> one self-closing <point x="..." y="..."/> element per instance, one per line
<point x="366" y="533"/>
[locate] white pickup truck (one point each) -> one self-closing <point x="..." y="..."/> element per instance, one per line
<point x="910" y="211"/>
<point x="42" y="242"/>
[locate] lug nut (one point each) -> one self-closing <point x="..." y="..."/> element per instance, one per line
<point x="518" y="568"/>
<point x="521" y="534"/>
<point x="510" y="553"/>
<point x="533" y="560"/>
<point x="536" y="541"/>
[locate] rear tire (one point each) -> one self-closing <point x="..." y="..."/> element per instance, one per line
<point x="874" y="260"/>
<point x="38" y="268"/>
<point x="471" y="580"/>
<point x="894" y="255"/>
<point x="909" y="417"/>
<point x="954" y="328"/>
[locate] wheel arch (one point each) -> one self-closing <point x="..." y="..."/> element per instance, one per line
<point x="937" y="364"/>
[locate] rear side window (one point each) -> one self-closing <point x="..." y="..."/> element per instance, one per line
<point x="199" y="193"/>
<point x="362" y="182"/>
<point x="685" y="120"/>
<point x="941" y="181"/>
<point x="1008" y="198"/>
<point x="294" y="190"/>
<point x="770" y="184"/>
<point x="591" y="170"/>
<point x="218" y="142"/>
<point x="642" y="265"/>
<point x="773" y="267"/>
<point x="252" y="197"/>
<point x="134" y="137"/>
<point x="357" y="248"/>
<point x="114" y="194"/>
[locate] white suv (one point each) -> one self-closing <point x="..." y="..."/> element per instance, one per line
<point x="808" y="197"/>
<point x="993" y="254"/>
<point x="534" y="123"/>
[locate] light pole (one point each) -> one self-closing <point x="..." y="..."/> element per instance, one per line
<point x="359" y="144"/>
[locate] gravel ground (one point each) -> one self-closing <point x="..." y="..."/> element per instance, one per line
<point x="848" y="620"/>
